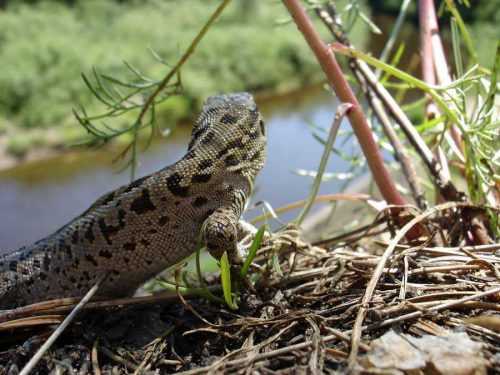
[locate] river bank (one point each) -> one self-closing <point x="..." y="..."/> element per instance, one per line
<point x="33" y="150"/>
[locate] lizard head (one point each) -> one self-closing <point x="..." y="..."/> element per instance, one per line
<point x="231" y="129"/>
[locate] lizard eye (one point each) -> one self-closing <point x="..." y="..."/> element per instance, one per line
<point x="262" y="127"/>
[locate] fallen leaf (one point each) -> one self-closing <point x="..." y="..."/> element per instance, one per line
<point x="491" y="322"/>
<point x="454" y="354"/>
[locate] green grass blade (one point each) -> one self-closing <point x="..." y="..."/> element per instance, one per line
<point x="206" y="293"/>
<point x="225" y="275"/>
<point x="373" y="27"/>
<point x="332" y="135"/>
<point x="429" y="124"/>
<point x="403" y="10"/>
<point x="493" y="90"/>
<point x="394" y="61"/>
<point x="463" y="30"/>
<point x="253" y="250"/>
<point x="457" y="53"/>
<point x="276" y="264"/>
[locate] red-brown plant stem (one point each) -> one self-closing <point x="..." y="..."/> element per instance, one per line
<point x="429" y="76"/>
<point x="427" y="65"/>
<point x="433" y="56"/>
<point x="341" y="88"/>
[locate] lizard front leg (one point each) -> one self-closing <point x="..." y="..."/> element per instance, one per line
<point x="220" y="233"/>
<point x="222" y="230"/>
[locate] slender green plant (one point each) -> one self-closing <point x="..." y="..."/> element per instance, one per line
<point x="257" y="241"/>
<point x="469" y="103"/>
<point x="225" y="276"/>
<point x="142" y="95"/>
<point x="206" y="293"/>
<point x="339" y="116"/>
<point x="403" y="10"/>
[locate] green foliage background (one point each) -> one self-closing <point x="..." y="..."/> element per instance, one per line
<point x="45" y="45"/>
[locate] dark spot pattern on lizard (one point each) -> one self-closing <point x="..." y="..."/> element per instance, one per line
<point x="105" y="254"/>
<point x="142" y="204"/>
<point x="163" y="220"/>
<point x="135" y="184"/>
<point x="129" y="246"/>
<point x="229" y="119"/>
<point x="208" y="138"/>
<point x="89" y="233"/>
<point x="205" y="164"/>
<point x="75" y="237"/>
<point x="231" y="160"/>
<point x="200" y="201"/>
<point x="201" y="178"/>
<point x="174" y="185"/>
<point x="91" y="259"/>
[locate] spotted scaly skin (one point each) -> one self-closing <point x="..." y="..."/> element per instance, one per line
<point x="133" y="233"/>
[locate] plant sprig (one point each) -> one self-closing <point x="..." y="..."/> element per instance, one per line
<point x="141" y="95"/>
<point x="477" y="125"/>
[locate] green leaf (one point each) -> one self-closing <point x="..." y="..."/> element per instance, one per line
<point x="225" y="275"/>
<point x="253" y="250"/>
<point x="394" y="61"/>
<point x="429" y="124"/>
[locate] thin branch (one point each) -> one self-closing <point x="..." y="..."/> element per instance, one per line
<point x="341" y="111"/>
<point x="53" y="337"/>
<point x="354" y="197"/>
<point x="265" y="355"/>
<point x="430" y="29"/>
<point x="440" y="307"/>
<point x="123" y="106"/>
<point x="384" y="55"/>
<point x="67" y="304"/>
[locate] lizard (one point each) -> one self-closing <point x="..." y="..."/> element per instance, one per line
<point x="138" y="230"/>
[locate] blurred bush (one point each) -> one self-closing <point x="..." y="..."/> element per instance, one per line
<point x="45" y="45"/>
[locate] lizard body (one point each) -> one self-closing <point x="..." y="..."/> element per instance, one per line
<point x="136" y="231"/>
